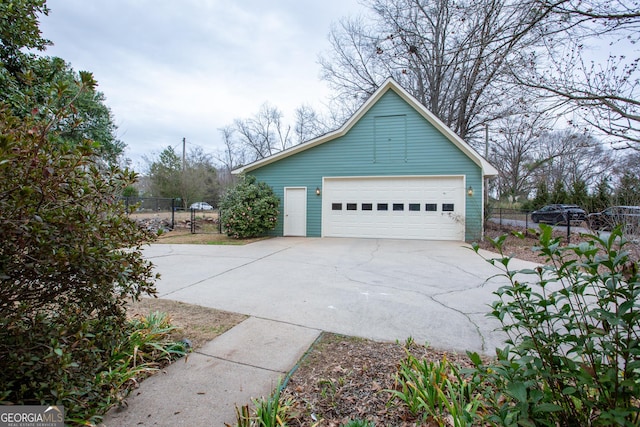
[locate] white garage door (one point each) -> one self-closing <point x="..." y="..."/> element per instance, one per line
<point x="394" y="207"/>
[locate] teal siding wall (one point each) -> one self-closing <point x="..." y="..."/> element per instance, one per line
<point x="425" y="152"/>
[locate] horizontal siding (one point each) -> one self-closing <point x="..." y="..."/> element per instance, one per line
<point x="428" y="152"/>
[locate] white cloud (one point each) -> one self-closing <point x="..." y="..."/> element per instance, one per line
<point x="184" y="69"/>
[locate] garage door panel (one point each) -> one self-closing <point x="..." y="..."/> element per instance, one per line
<point x="405" y="222"/>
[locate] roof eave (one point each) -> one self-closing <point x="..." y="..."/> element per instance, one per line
<point x="487" y="169"/>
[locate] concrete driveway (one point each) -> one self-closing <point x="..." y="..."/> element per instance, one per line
<point x="434" y="292"/>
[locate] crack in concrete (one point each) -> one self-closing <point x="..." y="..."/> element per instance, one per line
<point x="253" y="260"/>
<point x="431" y="297"/>
<point x="235" y="362"/>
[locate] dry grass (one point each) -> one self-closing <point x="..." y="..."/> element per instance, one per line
<point x="184" y="236"/>
<point x="198" y="324"/>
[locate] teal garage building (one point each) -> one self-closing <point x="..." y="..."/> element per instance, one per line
<point x="393" y="170"/>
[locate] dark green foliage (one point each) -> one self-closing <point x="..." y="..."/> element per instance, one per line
<point x="601" y="199"/>
<point x="359" y="423"/>
<point x="628" y="192"/>
<point x="579" y="195"/>
<point x="559" y="193"/>
<point x="130" y="191"/>
<point x="249" y="209"/>
<point x="542" y="197"/>
<point x="19" y="31"/>
<point x="574" y="336"/>
<point x="195" y="181"/>
<point x="69" y="259"/>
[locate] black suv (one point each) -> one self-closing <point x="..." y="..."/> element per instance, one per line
<point x="559" y="214"/>
<point x="628" y="216"/>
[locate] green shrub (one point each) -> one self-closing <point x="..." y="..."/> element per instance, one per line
<point x="85" y="365"/>
<point x="574" y="337"/>
<point x="249" y="209"/>
<point x="146" y="347"/>
<point x="70" y="257"/>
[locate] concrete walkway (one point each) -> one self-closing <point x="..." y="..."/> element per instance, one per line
<point x="246" y="362"/>
<point x="294" y="288"/>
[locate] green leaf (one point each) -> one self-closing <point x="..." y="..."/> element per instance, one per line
<point x="475" y="358"/>
<point x="518" y="391"/>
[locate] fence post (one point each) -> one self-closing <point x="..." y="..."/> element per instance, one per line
<point x="500" y="210"/>
<point x="173" y="213"/>
<point x="526" y="223"/>
<point x="193" y="221"/>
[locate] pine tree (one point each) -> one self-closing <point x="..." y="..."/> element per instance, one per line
<point x="559" y="194"/>
<point x="542" y="195"/>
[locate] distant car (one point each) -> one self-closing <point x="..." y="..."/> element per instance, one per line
<point x="201" y="206"/>
<point x="559" y="214"/>
<point x="628" y="216"/>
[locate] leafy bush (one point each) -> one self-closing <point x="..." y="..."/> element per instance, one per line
<point x="69" y="259"/>
<point x="55" y="363"/>
<point x="249" y="209"/>
<point x="574" y="337"/>
<point x="573" y="354"/>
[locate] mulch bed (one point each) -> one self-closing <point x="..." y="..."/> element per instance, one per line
<point x="345" y="378"/>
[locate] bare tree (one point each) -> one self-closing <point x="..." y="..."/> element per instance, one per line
<point x="514" y="152"/>
<point x="452" y="56"/>
<point x="309" y="124"/>
<point x="611" y="15"/>
<point x="263" y="134"/>
<point x="571" y="157"/>
<point x="230" y="157"/>
<point x="603" y="92"/>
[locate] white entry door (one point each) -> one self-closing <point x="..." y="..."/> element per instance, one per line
<point x="295" y="211"/>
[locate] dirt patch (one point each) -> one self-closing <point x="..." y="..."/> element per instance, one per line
<point x="345" y="378"/>
<point x="514" y="246"/>
<point x="521" y="248"/>
<point x="198" y="324"/>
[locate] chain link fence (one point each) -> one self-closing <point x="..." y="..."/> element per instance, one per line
<point x="152" y="213"/>
<point x="204" y="221"/>
<point x="167" y="214"/>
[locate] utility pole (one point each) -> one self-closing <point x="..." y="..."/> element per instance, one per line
<point x="485" y="183"/>
<point x="486" y="141"/>
<point x="184" y="145"/>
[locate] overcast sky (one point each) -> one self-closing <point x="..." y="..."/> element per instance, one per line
<point x="173" y="69"/>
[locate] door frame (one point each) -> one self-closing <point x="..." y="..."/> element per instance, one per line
<point x="286" y="222"/>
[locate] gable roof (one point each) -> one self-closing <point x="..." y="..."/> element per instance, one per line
<point x="389" y="84"/>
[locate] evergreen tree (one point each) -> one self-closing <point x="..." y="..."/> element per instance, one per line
<point x="559" y="193"/>
<point x="579" y="194"/>
<point x="602" y="197"/>
<point x="542" y="195"/>
<point x="628" y="193"/>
